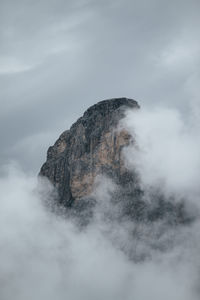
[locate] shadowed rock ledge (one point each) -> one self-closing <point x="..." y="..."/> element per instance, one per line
<point x="90" y="147"/>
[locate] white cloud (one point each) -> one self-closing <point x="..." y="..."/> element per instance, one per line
<point x="180" y="54"/>
<point x="44" y="256"/>
<point x="168" y="149"/>
<point x="12" y="65"/>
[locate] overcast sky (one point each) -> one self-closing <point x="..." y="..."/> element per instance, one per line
<point x="57" y="57"/>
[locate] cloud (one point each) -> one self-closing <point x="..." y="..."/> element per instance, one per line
<point x="44" y="256"/>
<point x="57" y="58"/>
<point x="78" y="53"/>
<point x="9" y="65"/>
<point x="166" y="150"/>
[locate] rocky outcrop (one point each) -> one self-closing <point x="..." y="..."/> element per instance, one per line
<point x="93" y="146"/>
<point x="90" y="147"/>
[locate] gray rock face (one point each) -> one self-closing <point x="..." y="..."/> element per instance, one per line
<point x="92" y="146"/>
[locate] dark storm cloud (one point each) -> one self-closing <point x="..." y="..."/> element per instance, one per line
<point x="59" y="57"/>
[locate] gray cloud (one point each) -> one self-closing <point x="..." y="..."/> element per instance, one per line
<point x="44" y="256"/>
<point x="59" y="57"/>
<point x="167" y="152"/>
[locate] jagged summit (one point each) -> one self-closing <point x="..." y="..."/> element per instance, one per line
<point x="92" y="146"/>
<point x="108" y="106"/>
<point x="89" y="148"/>
<point x="105" y="108"/>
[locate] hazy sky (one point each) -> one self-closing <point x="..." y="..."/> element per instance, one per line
<point x="58" y="57"/>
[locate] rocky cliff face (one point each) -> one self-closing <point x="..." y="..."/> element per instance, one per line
<point x="92" y="146"/>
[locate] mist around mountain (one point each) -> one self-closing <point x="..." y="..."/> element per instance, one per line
<point x="114" y="255"/>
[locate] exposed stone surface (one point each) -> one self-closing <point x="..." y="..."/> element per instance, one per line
<point x="92" y="146"/>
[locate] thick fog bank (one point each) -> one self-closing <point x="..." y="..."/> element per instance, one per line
<point x="46" y="256"/>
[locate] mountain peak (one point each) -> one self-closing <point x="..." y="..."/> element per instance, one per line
<point x="91" y="147"/>
<point x="94" y="146"/>
<point x="111" y="105"/>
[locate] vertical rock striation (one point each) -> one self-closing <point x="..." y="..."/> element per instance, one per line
<point x="90" y="147"/>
